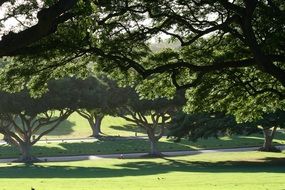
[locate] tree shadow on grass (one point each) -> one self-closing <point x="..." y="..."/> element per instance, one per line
<point x="95" y="148"/>
<point x="234" y="141"/>
<point x="142" y="168"/>
<point x="65" y="128"/>
<point x="133" y="128"/>
<point x="129" y="128"/>
<point x="122" y="146"/>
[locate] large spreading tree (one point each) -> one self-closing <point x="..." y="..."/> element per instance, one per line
<point x="116" y="33"/>
<point x="25" y="120"/>
<point x="230" y="51"/>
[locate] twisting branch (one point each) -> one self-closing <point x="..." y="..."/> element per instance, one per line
<point x="48" y="20"/>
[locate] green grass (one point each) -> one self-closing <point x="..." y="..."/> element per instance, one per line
<point x="129" y="146"/>
<point x="213" y="171"/>
<point x="78" y="127"/>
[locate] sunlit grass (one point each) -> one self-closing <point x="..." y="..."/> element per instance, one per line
<point x="78" y="127"/>
<point x="237" y="171"/>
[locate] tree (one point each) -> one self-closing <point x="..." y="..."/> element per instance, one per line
<point x="90" y="95"/>
<point x="151" y="115"/>
<point x="100" y="96"/>
<point x="102" y="29"/>
<point x="65" y="95"/>
<point x="270" y="123"/>
<point x="205" y="125"/>
<point x="94" y="118"/>
<point x="23" y="116"/>
<point x="222" y="44"/>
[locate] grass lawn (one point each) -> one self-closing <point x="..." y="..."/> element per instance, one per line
<point x="77" y="127"/>
<point x="212" y="171"/>
<point x="128" y="146"/>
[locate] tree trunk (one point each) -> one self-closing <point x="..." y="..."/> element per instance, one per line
<point x="153" y="148"/>
<point x="96" y="127"/>
<point x="26" y="151"/>
<point x="268" y="135"/>
<point x="153" y="144"/>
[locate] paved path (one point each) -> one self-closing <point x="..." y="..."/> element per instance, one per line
<point x="136" y="155"/>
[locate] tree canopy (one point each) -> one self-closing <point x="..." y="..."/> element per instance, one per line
<point x="113" y="30"/>
<point x="22" y="117"/>
<point x="222" y="44"/>
<point x="206" y="125"/>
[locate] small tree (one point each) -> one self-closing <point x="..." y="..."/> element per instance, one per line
<point x="90" y="98"/>
<point x="154" y="127"/>
<point x="94" y="118"/>
<point x="99" y="96"/>
<point x="151" y="115"/>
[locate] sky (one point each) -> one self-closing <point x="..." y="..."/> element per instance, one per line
<point x="17" y="23"/>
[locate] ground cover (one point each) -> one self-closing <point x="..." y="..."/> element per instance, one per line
<point x="213" y="171"/>
<point x="124" y="145"/>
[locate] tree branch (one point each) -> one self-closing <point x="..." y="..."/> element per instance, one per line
<point x="48" y="20"/>
<point x="63" y="115"/>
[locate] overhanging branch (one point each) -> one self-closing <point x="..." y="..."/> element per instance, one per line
<point x="48" y="20"/>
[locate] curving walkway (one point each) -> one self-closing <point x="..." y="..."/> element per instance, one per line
<point x="136" y="155"/>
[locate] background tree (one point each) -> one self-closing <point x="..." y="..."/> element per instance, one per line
<point x="204" y="125"/>
<point x="90" y="95"/>
<point x="152" y="116"/>
<point x="102" y="101"/>
<point x="94" y="118"/>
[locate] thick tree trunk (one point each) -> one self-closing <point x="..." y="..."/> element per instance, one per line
<point x="268" y="135"/>
<point x="26" y="153"/>
<point x="96" y="127"/>
<point x="153" y="144"/>
<point x="153" y="148"/>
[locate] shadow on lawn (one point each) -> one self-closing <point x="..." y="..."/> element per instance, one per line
<point x="129" y="128"/>
<point x="64" y="128"/>
<point x="97" y="148"/>
<point x="236" y="141"/>
<point x="142" y="168"/>
<point x="123" y="145"/>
